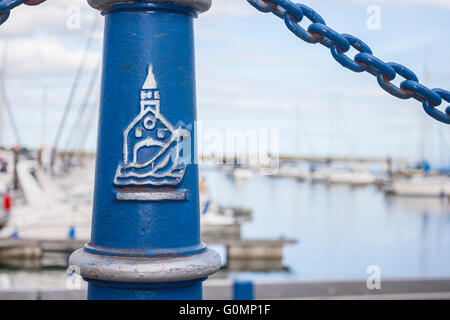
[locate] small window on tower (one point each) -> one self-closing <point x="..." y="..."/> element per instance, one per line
<point x="138" y="133"/>
<point x="146" y="94"/>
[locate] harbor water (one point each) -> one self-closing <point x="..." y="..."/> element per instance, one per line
<point x="341" y="231"/>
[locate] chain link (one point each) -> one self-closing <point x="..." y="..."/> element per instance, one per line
<point x="7" y="5"/>
<point x="339" y="44"/>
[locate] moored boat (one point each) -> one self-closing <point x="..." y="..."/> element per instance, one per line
<point x="355" y="175"/>
<point x="428" y="186"/>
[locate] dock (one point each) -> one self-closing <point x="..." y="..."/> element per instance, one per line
<point x="29" y="248"/>
<point x="391" y="289"/>
<point x="311" y="159"/>
<point x="216" y="233"/>
<point x="255" y="254"/>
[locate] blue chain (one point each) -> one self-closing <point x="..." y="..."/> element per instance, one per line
<point x="7" y="5"/>
<point x="339" y="44"/>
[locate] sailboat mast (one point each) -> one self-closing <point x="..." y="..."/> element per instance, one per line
<point x="2" y="74"/>
<point x="425" y="129"/>
<point x="43" y="115"/>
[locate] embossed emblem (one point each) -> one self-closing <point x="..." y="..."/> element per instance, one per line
<point x="151" y="146"/>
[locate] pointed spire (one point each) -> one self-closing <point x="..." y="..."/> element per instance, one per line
<point x="150" y="82"/>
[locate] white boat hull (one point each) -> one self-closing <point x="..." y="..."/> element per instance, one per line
<point x="353" y="178"/>
<point x="422" y="187"/>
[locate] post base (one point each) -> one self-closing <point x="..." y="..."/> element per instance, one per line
<point x="145" y="270"/>
<point x="113" y="277"/>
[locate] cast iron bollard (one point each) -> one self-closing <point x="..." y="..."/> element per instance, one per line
<point x="145" y="241"/>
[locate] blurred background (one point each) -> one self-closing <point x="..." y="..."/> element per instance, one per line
<point x="361" y="178"/>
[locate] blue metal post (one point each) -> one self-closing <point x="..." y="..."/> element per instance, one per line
<point x="243" y="290"/>
<point x="145" y="240"/>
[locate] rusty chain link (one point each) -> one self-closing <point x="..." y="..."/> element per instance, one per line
<point x="339" y="44"/>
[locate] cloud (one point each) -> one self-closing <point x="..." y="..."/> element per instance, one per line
<point x="245" y="62"/>
<point x="29" y="58"/>
<point x="228" y="8"/>
<point x="51" y="17"/>
<point x="436" y="3"/>
<point x="49" y="46"/>
<point x="241" y="8"/>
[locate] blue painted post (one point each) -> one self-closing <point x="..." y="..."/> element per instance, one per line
<point x="243" y="290"/>
<point x="145" y="240"/>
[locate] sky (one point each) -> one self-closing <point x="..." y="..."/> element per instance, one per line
<point x="252" y="72"/>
